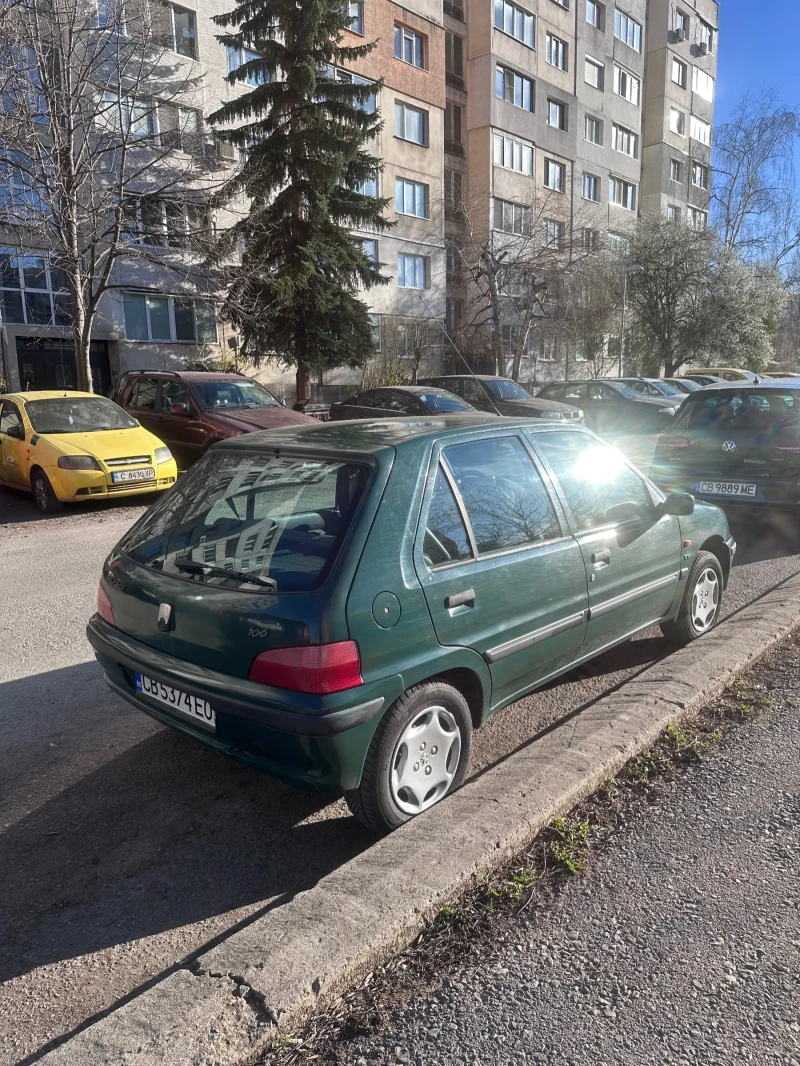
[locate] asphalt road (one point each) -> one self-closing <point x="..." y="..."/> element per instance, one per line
<point x="680" y="947"/>
<point x="125" y="847"/>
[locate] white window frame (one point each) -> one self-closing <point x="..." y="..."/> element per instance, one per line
<point x="681" y="69"/>
<point x="627" y="85"/>
<point x="409" y="38"/>
<point x="172" y="339"/>
<point x="508" y="151"/>
<point x="414" y="187"/>
<point x="674" y="213"/>
<point x="514" y="86"/>
<point x="628" y="30"/>
<point x="705" y="35"/>
<point x="555" y="175"/>
<point x="56" y="297"/>
<point x="598" y="123"/>
<point x="703" y="84"/>
<point x="554" y="232"/>
<point x="592" y="183"/>
<point x="418" y="260"/>
<point x="624" y="140"/>
<point x="400" y="106"/>
<point x="191" y="11"/>
<point x="556" y="52"/>
<point x="599" y="71"/>
<point x="560" y="109"/>
<point x="374" y="253"/>
<point x="515" y="21"/>
<point x="518" y="214"/>
<point x="598" y="12"/>
<point x="355" y="9"/>
<point x="678" y="126"/>
<point x="700" y="130"/>
<point x="673" y="163"/>
<point x="629" y="190"/>
<point x="697" y="218"/>
<point x="704" y="171"/>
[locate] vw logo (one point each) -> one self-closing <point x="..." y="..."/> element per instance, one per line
<point x="164" y="618"/>
<point x="729" y="446"/>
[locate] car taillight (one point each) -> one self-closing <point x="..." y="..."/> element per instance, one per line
<point x="104" y="608"/>
<point x="677" y="442"/>
<point x="314" y="668"/>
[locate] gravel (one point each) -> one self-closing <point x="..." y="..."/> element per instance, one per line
<point x="681" y="946"/>
<point x="126" y="847"/>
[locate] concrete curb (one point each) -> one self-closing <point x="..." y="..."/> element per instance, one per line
<point x="221" y="1010"/>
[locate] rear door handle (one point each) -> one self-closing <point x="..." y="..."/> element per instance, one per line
<point x="601" y="558"/>
<point x="459" y="599"/>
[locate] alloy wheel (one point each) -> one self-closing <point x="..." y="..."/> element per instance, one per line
<point x="705" y="600"/>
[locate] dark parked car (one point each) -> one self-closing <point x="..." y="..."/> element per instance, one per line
<point x="654" y="387"/>
<point x="340" y="605"/>
<point x="191" y="410"/>
<point x="684" y="385"/>
<point x="736" y="443"/>
<point x="613" y="409"/>
<point x="503" y="396"/>
<point x="398" y="402"/>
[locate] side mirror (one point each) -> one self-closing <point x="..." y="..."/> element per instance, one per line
<point x="180" y="409"/>
<point x="17" y="432"/>
<point x="678" y="504"/>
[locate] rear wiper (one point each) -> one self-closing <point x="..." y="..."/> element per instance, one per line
<point x="192" y="566"/>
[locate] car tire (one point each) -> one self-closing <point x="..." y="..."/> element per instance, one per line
<point x="418" y="755"/>
<point x="43" y="495"/>
<point x="701" y="605"/>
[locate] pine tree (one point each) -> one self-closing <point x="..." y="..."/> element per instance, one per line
<point x="304" y="132"/>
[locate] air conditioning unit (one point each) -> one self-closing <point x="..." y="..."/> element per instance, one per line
<point x="679" y="35"/>
<point x="703" y="48"/>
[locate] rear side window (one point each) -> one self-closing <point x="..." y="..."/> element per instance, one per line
<point x="506" y="501"/>
<point x="252" y="521"/>
<point x="599" y="486"/>
<point x="143" y="397"/>
<point x="445" y="539"/>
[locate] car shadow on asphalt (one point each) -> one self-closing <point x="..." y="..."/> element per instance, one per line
<point x="161" y="836"/>
<point x="17" y="507"/>
<point x="761" y="537"/>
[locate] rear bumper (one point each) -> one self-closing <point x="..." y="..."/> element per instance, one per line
<point x="315" y="742"/>
<point x="771" y="492"/>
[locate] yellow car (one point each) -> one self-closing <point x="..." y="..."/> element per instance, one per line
<point x="69" y="447"/>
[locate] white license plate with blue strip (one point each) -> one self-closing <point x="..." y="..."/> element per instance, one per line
<point x="727" y="488"/>
<point x="144" y="473"/>
<point x="193" y="707"/>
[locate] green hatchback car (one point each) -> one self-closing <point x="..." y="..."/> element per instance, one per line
<point x="341" y="604"/>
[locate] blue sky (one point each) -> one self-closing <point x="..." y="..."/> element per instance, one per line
<point x="758" y="46"/>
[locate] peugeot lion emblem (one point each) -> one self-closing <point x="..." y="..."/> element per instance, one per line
<point x="164" y="617"/>
<point x="729" y="446"/>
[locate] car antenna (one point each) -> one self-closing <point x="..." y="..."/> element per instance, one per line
<point x="460" y="356"/>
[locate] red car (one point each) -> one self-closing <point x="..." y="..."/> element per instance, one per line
<point x="190" y="410"/>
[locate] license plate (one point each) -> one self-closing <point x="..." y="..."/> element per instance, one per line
<point x="727" y="488"/>
<point x="145" y="473"/>
<point x="192" y="706"/>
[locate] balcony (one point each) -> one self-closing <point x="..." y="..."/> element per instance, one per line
<point x="454" y="10"/>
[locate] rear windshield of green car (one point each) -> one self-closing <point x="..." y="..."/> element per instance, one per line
<point x="251" y="521"/>
<point x="741" y="408"/>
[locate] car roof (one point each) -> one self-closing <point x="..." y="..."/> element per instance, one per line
<point x="734" y="386"/>
<point x="417" y="390"/>
<point x="470" y="377"/>
<point x="188" y="375"/>
<point x="371" y="436"/>
<point x="50" y="394"/>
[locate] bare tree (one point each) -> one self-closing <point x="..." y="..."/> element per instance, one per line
<point x="103" y="155"/>
<point x="755" y="195"/>
<point x="592" y="310"/>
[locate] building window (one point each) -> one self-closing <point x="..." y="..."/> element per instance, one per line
<point x="679" y="73"/>
<point x="590" y="240"/>
<point x="237" y="57"/>
<point x="673" y="213"/>
<point x="700" y="175"/>
<point x="553" y="232"/>
<point x="454" y="57"/>
<point x="515" y="21"/>
<point x="32" y="290"/>
<point x="706" y="37"/>
<point x="703" y="84"/>
<point x="135" y="119"/>
<point x="512" y="154"/>
<point x="150" y="220"/>
<point x="452" y="260"/>
<point x="555" y="175"/>
<point x="410" y="123"/>
<point x="368" y="104"/>
<point x="701" y="131"/>
<point x="453" y="193"/>
<point x="512" y="218"/>
<point x="594" y="73"/>
<point x="625" y="141"/>
<point x="677" y="121"/>
<point x="628" y="30"/>
<point x="411" y="198"/>
<point x="627" y="85"/>
<point x="548" y="349"/>
<point x="454" y="312"/>
<point x="454" y="128"/>
<point x="556" y="52"/>
<point x="412" y="271"/>
<point x="593" y="130"/>
<point x="591" y="188"/>
<point x="557" y="114"/>
<point x="169" y="318"/>
<point x="676" y="169"/>
<point x="622" y="193"/>
<point x="697" y="219"/>
<point x="619" y="244"/>
<point x="596" y="14"/>
<point x="409" y="47"/>
<point x="183" y="27"/>
<point x="354" y="10"/>
<point x="514" y="88"/>
<point x="369" y="187"/>
<point x="369" y="246"/>
<point x="681" y="26"/>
